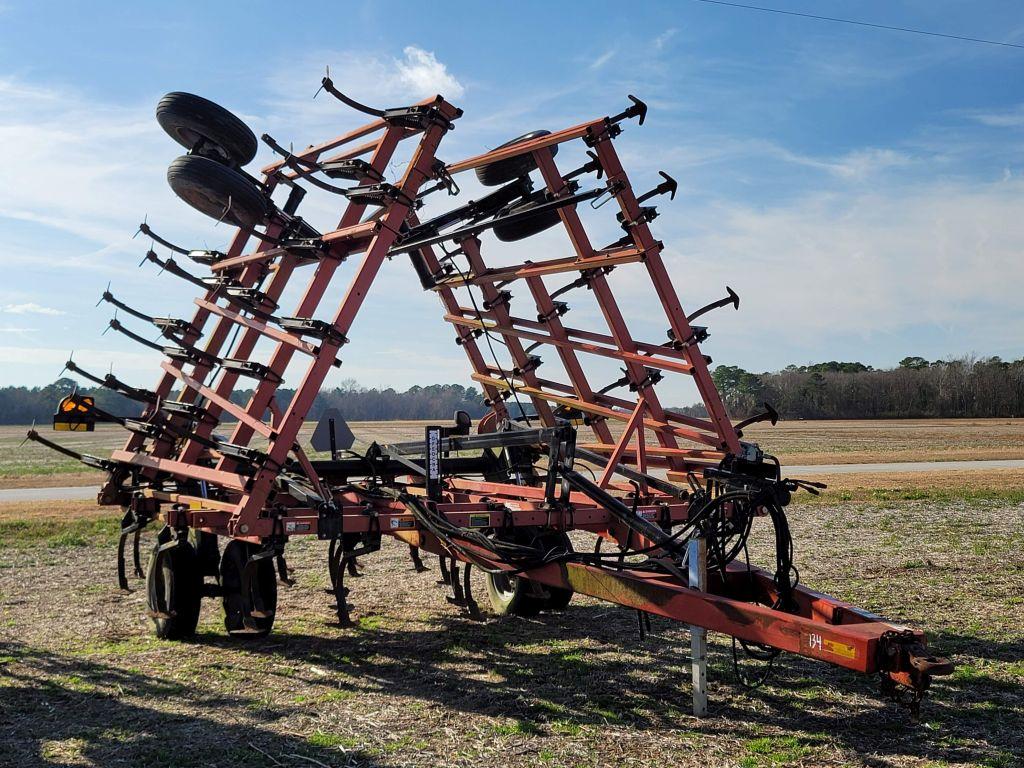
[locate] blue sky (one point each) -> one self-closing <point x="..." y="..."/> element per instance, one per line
<point x="861" y="189"/>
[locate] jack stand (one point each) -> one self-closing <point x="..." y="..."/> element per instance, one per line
<point x="697" y="557"/>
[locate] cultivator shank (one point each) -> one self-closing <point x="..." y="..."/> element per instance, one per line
<point x="645" y="480"/>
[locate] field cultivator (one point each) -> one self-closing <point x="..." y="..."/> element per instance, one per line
<point x="672" y="497"/>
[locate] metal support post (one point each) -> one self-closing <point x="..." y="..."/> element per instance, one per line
<point x="697" y="556"/>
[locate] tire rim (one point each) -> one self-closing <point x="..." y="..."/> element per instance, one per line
<point x="504" y="585"/>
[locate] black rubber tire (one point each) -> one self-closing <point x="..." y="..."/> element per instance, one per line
<point x="512" y="596"/>
<point x="191" y="120"/>
<point x="499" y="172"/>
<point x="516" y="596"/>
<point x="180" y="579"/>
<point x="236" y="555"/>
<point x="531" y="225"/>
<point x="210" y="188"/>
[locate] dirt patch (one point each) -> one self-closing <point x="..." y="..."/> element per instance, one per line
<point x="53" y="510"/>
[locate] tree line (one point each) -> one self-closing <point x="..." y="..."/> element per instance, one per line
<point x="23" y="405"/>
<point x="965" y="387"/>
<point x="916" y="388"/>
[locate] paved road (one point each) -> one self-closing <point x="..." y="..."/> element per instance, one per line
<point x="89" y="492"/>
<point x="901" y="466"/>
<point x="49" y="494"/>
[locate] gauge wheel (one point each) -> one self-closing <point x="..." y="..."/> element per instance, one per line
<point x="206" y="128"/>
<point x="220" y="192"/>
<point x="232" y="563"/>
<point x="174" y="585"/>
<point x="501" y="171"/>
<point x="528" y="226"/>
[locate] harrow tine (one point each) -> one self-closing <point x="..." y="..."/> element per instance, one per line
<point x="769" y="414"/>
<point x="417" y="561"/>
<point x="282" y="570"/>
<point x="326" y="84"/>
<point x="131" y="524"/>
<point x="136" y="559"/>
<point x="90" y="461"/>
<point x="122" y="576"/>
<point x="29" y="435"/>
<point x="116" y="325"/>
<point x="731" y="298"/>
<point x="145" y="229"/>
<point x="170" y="265"/>
<point x="332" y="565"/>
<point x="105" y="294"/>
<point x="669" y="186"/>
<point x="638" y="109"/>
<point x="111" y="299"/>
<point x="304" y="169"/>
<point x="467" y="590"/>
<point x="446" y="577"/>
<point x="458" y="596"/>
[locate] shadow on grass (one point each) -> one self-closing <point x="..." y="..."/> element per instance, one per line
<point x="539" y="673"/>
<point x="551" y="675"/>
<point x="56" y="710"/>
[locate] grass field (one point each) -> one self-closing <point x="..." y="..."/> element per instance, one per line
<point x="416" y="683"/>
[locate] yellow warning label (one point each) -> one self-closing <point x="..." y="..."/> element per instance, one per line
<point x="839" y="649"/>
<point x="817" y="645"/>
<point x="70" y="426"/>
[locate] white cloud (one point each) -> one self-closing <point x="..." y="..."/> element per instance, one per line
<point x="373" y="79"/>
<point x="422" y="74"/>
<point x="30" y="308"/>
<point x="939" y="256"/>
<point x="662" y="40"/>
<point x="1006" y="118"/>
<point x="857" y="165"/>
<point x="603" y="59"/>
<point x="66" y="175"/>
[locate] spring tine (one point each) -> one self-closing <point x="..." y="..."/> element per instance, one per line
<point x="136" y="560"/>
<point x="85" y="458"/>
<point x="445" y="575"/>
<point x="105" y="294"/>
<point x="731" y="298"/>
<point x="417" y="562"/>
<point x="769" y="414"/>
<point x="467" y="590"/>
<point x="170" y="265"/>
<point x="116" y="325"/>
<point x="332" y="565"/>
<point x="458" y="596"/>
<point x="341" y="596"/>
<point x="282" y="571"/>
<point x="122" y="577"/>
<point x="304" y="169"/>
<point x="144" y="229"/>
<point x="110" y="299"/>
<point x="327" y="84"/>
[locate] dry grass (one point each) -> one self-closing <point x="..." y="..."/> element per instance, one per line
<point x="795" y="442"/>
<point x="938" y="485"/>
<point x="82" y="681"/>
<point x="871" y="441"/>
